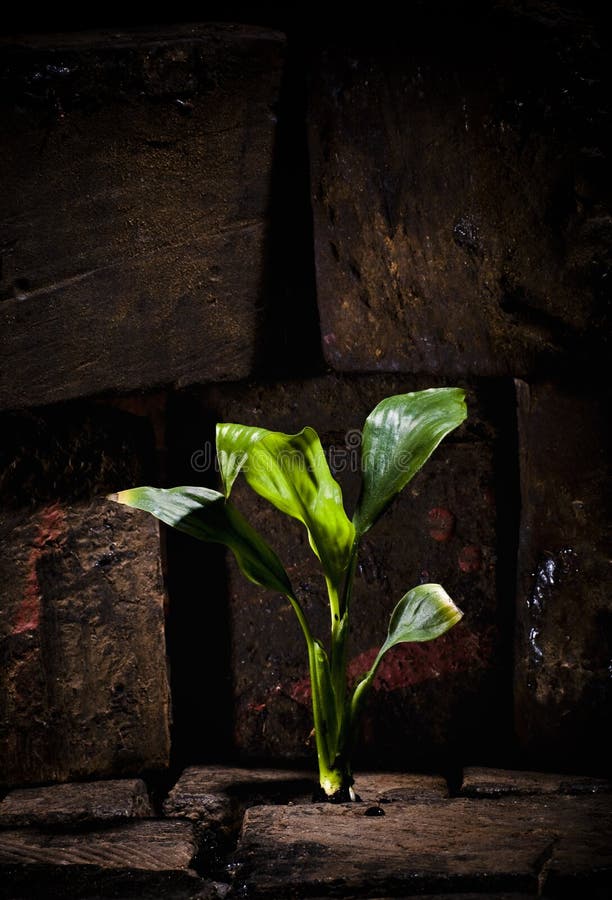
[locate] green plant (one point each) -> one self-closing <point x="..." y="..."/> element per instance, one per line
<point x="291" y="471"/>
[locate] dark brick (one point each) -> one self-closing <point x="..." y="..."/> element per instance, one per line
<point x="461" y="199"/>
<point x="136" y="859"/>
<point x="135" y="172"/>
<point x="214" y="797"/>
<point x="479" y="782"/>
<point x="453" y="896"/>
<point x="564" y="609"/>
<point x="431" y="701"/>
<point x="525" y="845"/>
<point x="84" y="685"/>
<point x="85" y="803"/>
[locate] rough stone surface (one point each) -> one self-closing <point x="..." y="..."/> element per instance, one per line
<point x="83" y="682"/>
<point x="215" y="797"/>
<point x="563" y="689"/>
<point x="135" y="171"/>
<point x="430" y="701"/>
<point x="453" y="896"/>
<point x="126" y="861"/>
<point x="461" y="196"/>
<point x="76" y="804"/>
<point x="485" y="846"/>
<point x="152" y="845"/>
<point x="478" y="782"/>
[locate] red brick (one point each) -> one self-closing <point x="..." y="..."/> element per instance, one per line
<point x="84" y="688"/>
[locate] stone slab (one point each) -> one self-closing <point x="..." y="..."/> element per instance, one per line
<point x="85" y="803"/>
<point x="453" y="896"/>
<point x="151" y="845"/>
<point x="479" y="782"/>
<point x="215" y="797"/>
<point x="459" y="845"/>
<point x="437" y="170"/>
<point x="430" y="702"/>
<point x="489" y="896"/>
<point x="136" y="170"/>
<point x="83" y="679"/>
<point x="129" y="860"/>
<point x="563" y="647"/>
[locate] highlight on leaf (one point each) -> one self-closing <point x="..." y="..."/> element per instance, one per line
<point x="399" y="436"/>
<point x="204" y="514"/>
<point x="424" y="613"/>
<point x="292" y="473"/>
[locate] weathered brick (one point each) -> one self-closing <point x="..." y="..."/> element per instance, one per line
<point x="525" y="845"/>
<point x="136" y="859"/>
<point x="83" y="677"/>
<point x="460" y="198"/>
<point x="136" y="173"/>
<point x="564" y="608"/>
<point x="215" y="797"/>
<point x="430" y="701"/>
<point x="84" y="804"/>
<point x="480" y="782"/>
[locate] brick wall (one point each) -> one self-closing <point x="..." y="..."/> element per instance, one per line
<point x="216" y="223"/>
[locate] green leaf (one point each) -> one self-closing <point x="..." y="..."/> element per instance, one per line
<point x="204" y="514"/>
<point x="233" y="445"/>
<point x="422" y="614"/>
<point x="290" y="470"/>
<point x="323" y="694"/>
<point x="399" y="435"/>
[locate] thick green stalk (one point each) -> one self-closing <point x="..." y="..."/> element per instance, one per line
<point x="333" y="778"/>
<point x="337" y="775"/>
<point x="339" y="632"/>
<point x="339" y="644"/>
<point x="318" y="716"/>
<point x="332" y="773"/>
<point x="353" y="708"/>
<point x="317" y="705"/>
<point x="337" y="652"/>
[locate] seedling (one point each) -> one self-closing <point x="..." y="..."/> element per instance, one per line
<point x="291" y="471"/>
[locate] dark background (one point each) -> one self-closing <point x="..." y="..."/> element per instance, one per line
<point x="367" y="207"/>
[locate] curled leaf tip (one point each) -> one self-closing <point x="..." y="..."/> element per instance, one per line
<point x="114" y="497"/>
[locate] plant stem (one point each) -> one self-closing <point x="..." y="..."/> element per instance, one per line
<point x="317" y="705"/>
<point x="335" y="777"/>
<point x="334" y="715"/>
<point x="350" y="578"/>
<point x="297" y="608"/>
<point x="339" y="645"/>
<point x="334" y="601"/>
<point x="318" y="716"/>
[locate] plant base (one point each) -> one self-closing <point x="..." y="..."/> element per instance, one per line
<point x="342" y="795"/>
<point x="335" y="786"/>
